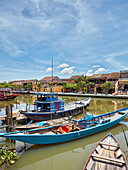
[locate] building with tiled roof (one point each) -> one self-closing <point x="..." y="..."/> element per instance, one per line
<point x="101" y="76"/>
<point x="114" y="76"/>
<point x="49" y="79"/>
<point x="65" y="80"/>
<point x="75" y="77"/>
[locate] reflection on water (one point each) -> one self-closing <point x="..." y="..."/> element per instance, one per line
<point x="70" y="155"/>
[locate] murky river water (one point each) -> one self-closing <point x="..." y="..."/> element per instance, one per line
<point x="71" y="155"/>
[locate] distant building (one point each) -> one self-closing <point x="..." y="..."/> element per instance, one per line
<point x="65" y="80"/>
<point x="99" y="79"/>
<point x="74" y="78"/>
<point x="57" y="87"/>
<point x="123" y="82"/>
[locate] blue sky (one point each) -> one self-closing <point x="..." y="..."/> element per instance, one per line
<point x="82" y="37"/>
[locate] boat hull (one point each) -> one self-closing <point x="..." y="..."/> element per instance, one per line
<point x="40" y="116"/>
<point x="8" y="97"/>
<point x="53" y="138"/>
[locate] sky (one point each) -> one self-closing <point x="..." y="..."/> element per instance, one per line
<point x="81" y="36"/>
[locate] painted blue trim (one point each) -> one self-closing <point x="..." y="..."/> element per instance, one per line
<point x="54" y="138"/>
<point x="45" y="93"/>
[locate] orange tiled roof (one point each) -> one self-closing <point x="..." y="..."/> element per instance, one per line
<point x="75" y="77"/>
<point x="48" y="78"/>
<point x="114" y="75"/>
<point x="101" y="76"/>
<point x="30" y="81"/>
<point x="65" y="80"/>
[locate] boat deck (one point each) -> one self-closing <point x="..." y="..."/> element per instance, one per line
<point x="107" y="155"/>
<point x="101" y="162"/>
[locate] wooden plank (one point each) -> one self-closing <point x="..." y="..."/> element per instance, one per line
<point x="109" y="159"/>
<point x="102" y="143"/>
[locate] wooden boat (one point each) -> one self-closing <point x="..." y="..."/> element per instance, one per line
<point x="107" y="155"/>
<point x="49" y="106"/>
<point x="43" y="124"/>
<point x="63" y="133"/>
<point x="5" y="94"/>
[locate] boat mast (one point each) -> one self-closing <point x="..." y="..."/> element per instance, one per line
<point x="52" y="74"/>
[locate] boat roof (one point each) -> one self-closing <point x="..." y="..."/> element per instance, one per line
<point x="5" y="90"/>
<point x="46" y="93"/>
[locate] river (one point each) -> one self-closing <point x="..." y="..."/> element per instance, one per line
<point x="71" y="155"/>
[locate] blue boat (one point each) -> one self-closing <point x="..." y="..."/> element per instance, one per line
<point x="49" y="106"/>
<point x="75" y="129"/>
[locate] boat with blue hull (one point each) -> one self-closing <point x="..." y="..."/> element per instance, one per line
<point x="49" y="106"/>
<point x="73" y="130"/>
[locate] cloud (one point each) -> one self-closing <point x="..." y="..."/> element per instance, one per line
<point x="89" y="73"/>
<point x="117" y="62"/>
<point x="100" y="70"/>
<point x="96" y="66"/>
<point x="49" y="69"/>
<point x="63" y="65"/>
<point x="41" y="61"/>
<point x="67" y="70"/>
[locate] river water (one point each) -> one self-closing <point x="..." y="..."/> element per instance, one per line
<point x="71" y="155"/>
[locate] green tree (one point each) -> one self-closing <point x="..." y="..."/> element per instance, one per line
<point x="90" y="85"/>
<point x="29" y="86"/>
<point x="50" y="84"/>
<point x="106" y="86"/>
<point x="39" y="86"/>
<point x="20" y="86"/>
<point x="14" y="86"/>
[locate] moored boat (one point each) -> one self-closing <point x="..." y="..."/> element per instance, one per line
<point x="43" y="124"/>
<point x="107" y="155"/>
<point x="5" y="94"/>
<point x="63" y="133"/>
<point x="49" y="106"/>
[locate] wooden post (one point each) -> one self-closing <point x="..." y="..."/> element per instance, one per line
<point x="16" y="102"/>
<point x="51" y="115"/>
<point x="26" y="107"/>
<point x="13" y="128"/>
<point x="124" y="135"/>
<point x="7" y="118"/>
<point x="11" y="118"/>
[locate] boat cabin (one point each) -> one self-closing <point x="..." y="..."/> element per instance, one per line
<point x="48" y="102"/>
<point x="4" y="92"/>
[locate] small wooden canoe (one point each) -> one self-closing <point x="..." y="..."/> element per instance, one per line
<point x="107" y="155"/>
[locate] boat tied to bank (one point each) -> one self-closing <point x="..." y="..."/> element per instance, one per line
<point x="107" y="155"/>
<point x="49" y="106"/>
<point x="5" y="94"/>
<point x="73" y="130"/>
